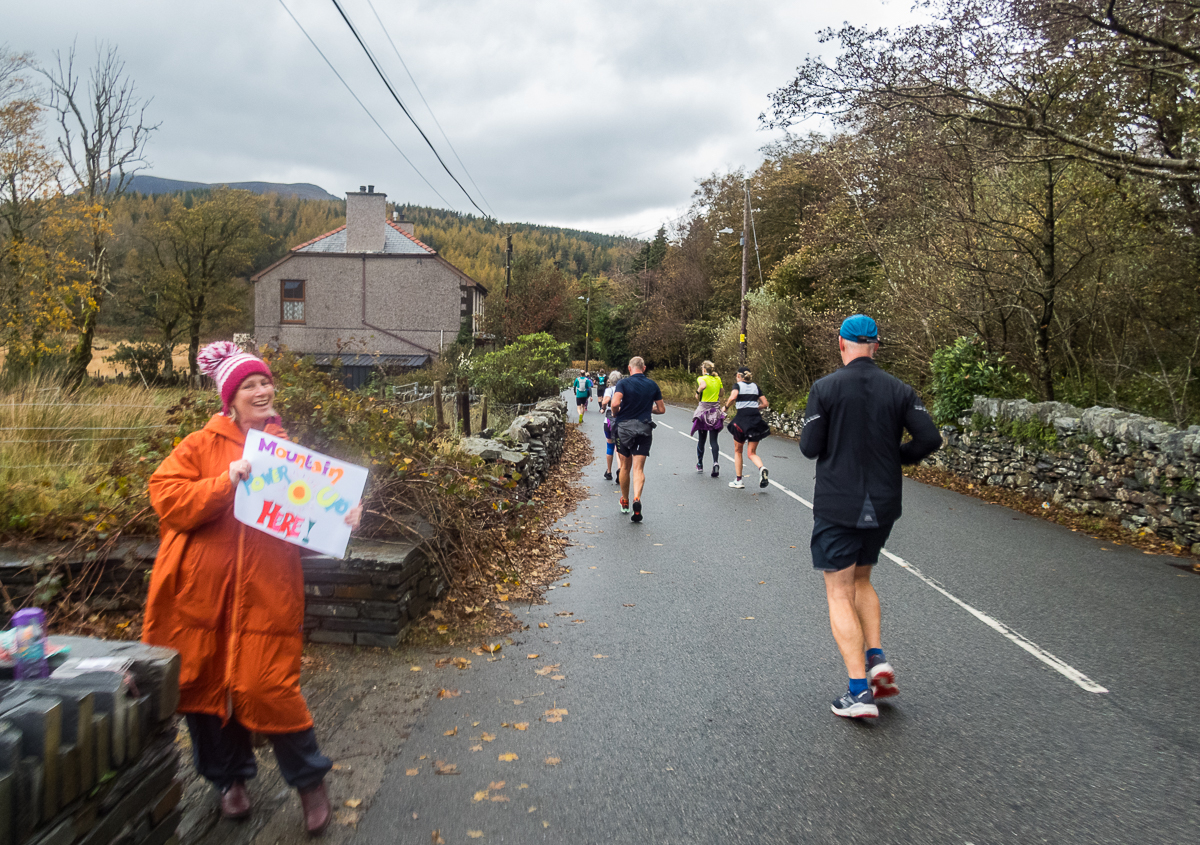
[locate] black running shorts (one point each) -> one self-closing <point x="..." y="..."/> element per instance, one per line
<point x="835" y="547"/>
<point x="581" y="400"/>
<point x="633" y="437"/>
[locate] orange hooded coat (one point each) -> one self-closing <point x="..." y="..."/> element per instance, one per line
<point x="229" y="598"/>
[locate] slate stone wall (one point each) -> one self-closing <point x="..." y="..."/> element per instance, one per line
<point x="1140" y="471"/>
<point x="92" y="759"/>
<point x="530" y="446"/>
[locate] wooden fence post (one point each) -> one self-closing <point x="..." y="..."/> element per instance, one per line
<point x="464" y="407"/>
<point x="439" y="419"/>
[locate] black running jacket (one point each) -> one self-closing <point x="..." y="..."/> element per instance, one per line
<point x="853" y="426"/>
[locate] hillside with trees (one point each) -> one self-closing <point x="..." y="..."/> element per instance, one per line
<point x="1010" y="189"/>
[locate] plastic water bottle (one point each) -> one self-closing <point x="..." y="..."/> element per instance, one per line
<point x="29" y="661"/>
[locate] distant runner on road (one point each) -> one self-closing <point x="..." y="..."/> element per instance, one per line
<point x="747" y="426"/>
<point x="853" y="426"/>
<point x="609" y="435"/>
<point x="708" y="419"/>
<point x="635" y="398"/>
<point x="583" y="391"/>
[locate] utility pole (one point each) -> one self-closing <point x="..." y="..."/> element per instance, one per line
<point x="507" y="282"/>
<point x="587" y="331"/>
<point x="745" y="268"/>
<point x="508" y="266"/>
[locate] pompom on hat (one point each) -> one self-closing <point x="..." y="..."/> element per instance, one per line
<point x="228" y="365"/>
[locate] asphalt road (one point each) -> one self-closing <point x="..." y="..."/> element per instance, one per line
<point x="697" y="670"/>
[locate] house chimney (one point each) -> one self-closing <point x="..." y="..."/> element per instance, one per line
<point x="400" y="223"/>
<point x="366" y="217"/>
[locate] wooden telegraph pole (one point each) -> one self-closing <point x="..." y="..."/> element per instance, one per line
<point x="745" y="269"/>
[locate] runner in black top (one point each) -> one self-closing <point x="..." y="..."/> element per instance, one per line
<point x="635" y="398"/>
<point x="853" y="426"/>
<point x="747" y="426"/>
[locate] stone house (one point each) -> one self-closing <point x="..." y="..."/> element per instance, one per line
<point x="369" y="294"/>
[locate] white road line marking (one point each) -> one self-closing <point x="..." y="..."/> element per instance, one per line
<point x="1033" y="648"/>
<point x="1065" y="669"/>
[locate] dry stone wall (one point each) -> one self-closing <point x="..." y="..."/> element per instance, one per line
<point x="91" y="759"/>
<point x="530" y="446"/>
<point x="1140" y="471"/>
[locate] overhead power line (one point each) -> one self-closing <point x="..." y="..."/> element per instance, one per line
<point x="436" y="122"/>
<point x="364" y="107"/>
<point x="404" y="108"/>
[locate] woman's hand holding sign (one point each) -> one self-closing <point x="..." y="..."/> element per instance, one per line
<point x="354" y="517"/>
<point x="239" y="470"/>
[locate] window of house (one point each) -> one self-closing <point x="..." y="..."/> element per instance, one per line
<point x="292" y="301"/>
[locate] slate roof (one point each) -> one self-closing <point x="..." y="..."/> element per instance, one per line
<point x="395" y="242"/>
<point x="374" y="360"/>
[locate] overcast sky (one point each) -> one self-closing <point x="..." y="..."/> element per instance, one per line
<point x="595" y="115"/>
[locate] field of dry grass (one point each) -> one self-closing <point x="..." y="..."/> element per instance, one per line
<point x="64" y="452"/>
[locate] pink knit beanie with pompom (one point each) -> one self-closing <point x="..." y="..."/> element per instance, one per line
<point x="226" y="364"/>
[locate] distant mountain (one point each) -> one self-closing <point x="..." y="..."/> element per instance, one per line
<point x="154" y="185"/>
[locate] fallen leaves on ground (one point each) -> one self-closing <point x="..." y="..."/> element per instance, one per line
<point x="481" y="795"/>
<point x="348" y="818"/>
<point x="436" y="838"/>
<point x="529" y="563"/>
<point x="487" y="737"/>
<point x="414" y="668"/>
<point x="412" y="772"/>
<point x="452" y="732"/>
<point x="558" y="677"/>
<point x="508" y="757"/>
<point x="441" y="767"/>
<point x="644" y="572"/>
<point x="543" y="624"/>
<point x="565" y="613"/>
<point x="553" y="761"/>
<point x="521" y="726"/>
<point x="476" y="748"/>
<point x="475" y="834"/>
<point x="353" y="803"/>
<point x="630" y="605"/>
<point x="599" y="656"/>
<point x="555" y="714"/>
<point x="448" y="693"/>
<point x="546" y="670"/>
<point x="533" y="656"/>
<point x="497" y="784"/>
<point x="457" y="662"/>
<point x="491" y="647"/>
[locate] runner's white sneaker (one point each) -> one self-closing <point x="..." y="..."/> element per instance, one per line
<point x="882" y="678"/>
<point x="861" y="706"/>
<point x="737" y="483"/>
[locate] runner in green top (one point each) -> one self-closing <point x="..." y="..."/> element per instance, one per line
<point x="708" y="417"/>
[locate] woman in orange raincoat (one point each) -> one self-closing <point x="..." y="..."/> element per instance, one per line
<point x="230" y="600"/>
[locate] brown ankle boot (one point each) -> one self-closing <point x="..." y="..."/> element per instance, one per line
<point x="235" y="801"/>
<point x="315" y="805"/>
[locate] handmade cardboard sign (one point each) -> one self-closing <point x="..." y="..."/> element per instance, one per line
<point x="298" y="495"/>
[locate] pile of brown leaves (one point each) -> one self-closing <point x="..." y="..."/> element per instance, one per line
<point x="1099" y="528"/>
<point x="479" y="605"/>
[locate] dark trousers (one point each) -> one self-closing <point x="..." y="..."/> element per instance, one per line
<point x="225" y="753"/>
<point x="712" y="438"/>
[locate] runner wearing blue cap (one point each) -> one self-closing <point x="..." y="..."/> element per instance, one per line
<point x="853" y="426"/>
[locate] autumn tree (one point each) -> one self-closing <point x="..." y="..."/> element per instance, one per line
<point x="102" y="137"/>
<point x="199" y="252"/>
<point x="40" y="276"/>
